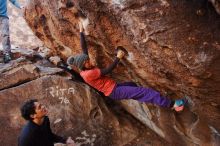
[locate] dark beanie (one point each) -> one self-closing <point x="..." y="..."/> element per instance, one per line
<point x="77" y="60"/>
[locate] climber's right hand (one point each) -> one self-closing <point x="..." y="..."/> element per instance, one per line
<point x="120" y="54"/>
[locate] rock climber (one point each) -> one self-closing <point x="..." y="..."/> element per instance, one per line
<point x="98" y="79"/>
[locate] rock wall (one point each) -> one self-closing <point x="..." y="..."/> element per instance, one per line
<point x="173" y="47"/>
<point x="74" y="108"/>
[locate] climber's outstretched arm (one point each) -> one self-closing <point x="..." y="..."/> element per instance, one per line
<point x="83" y="40"/>
<point x="120" y="55"/>
<point x="110" y="67"/>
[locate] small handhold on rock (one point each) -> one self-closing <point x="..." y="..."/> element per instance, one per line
<point x="195" y="82"/>
<point x="200" y="12"/>
<point x="31" y="68"/>
<point x="69" y="4"/>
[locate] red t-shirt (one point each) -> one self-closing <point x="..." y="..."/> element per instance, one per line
<point x="102" y="83"/>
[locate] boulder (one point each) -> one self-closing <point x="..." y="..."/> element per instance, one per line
<point x="173" y="47"/>
<point x="74" y="108"/>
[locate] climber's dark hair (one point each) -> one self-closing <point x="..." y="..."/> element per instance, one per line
<point x="28" y="109"/>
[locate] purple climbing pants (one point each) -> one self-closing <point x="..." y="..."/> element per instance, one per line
<point x="130" y="90"/>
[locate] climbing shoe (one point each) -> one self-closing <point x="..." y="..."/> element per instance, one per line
<point x="179" y="105"/>
<point x="7" y="58"/>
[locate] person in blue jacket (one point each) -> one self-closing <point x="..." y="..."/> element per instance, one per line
<point x="4" y="28"/>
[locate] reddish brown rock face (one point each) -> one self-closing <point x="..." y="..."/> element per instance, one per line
<point x="173" y="47"/>
<point x="74" y="108"/>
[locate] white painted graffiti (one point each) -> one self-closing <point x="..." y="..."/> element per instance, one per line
<point x="60" y="93"/>
<point x="86" y="139"/>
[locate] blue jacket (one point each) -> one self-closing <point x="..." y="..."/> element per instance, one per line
<point x="3" y="7"/>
